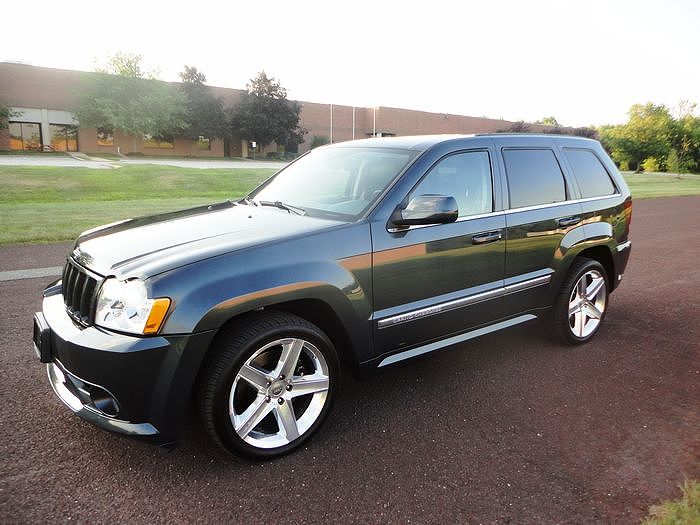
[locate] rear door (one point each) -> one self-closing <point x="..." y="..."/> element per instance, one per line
<point x="542" y="217"/>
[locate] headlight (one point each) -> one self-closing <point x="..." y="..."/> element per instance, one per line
<point x="125" y="306"/>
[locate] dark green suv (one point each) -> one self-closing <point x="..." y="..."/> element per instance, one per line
<point x="356" y="256"/>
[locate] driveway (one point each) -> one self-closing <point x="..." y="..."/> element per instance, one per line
<point x="508" y="428"/>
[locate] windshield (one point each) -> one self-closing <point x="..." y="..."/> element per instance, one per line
<point x="335" y="182"/>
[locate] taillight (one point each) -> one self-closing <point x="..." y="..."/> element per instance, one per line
<point x="627" y="206"/>
<point x="627" y="210"/>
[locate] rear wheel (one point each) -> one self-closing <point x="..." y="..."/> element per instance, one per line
<point x="269" y="385"/>
<point x="582" y="302"/>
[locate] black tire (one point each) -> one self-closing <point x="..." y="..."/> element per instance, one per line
<point x="560" y="320"/>
<point x="234" y="346"/>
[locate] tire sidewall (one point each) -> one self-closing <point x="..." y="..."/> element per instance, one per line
<point x="222" y="422"/>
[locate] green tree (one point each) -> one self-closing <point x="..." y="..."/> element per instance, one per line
<point x="5" y="115"/>
<point x="127" y="65"/>
<point x="549" y="121"/>
<point x="205" y="112"/>
<point x="648" y="133"/>
<point x="129" y="103"/>
<point x="685" y="138"/>
<point x="191" y="75"/>
<point x="265" y="115"/>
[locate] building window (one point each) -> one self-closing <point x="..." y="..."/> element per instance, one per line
<point x="105" y="137"/>
<point x="63" y="137"/>
<point x="203" y="143"/>
<point x="25" y="136"/>
<point x="164" y="142"/>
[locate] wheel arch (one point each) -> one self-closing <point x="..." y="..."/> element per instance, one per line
<point x="603" y="255"/>
<point x="313" y="309"/>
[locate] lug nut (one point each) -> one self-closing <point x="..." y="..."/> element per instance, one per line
<point x="268" y="383"/>
<point x="281" y="376"/>
<point x="289" y="388"/>
<point x="280" y="401"/>
<point x="267" y="399"/>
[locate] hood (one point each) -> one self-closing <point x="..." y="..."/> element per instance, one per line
<point x="150" y="245"/>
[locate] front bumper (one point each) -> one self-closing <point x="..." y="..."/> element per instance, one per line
<point x="64" y="385"/>
<point x="135" y="386"/>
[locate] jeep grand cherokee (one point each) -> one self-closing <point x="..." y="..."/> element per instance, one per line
<point x="365" y="253"/>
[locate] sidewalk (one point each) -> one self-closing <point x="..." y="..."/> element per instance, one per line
<point x="99" y="163"/>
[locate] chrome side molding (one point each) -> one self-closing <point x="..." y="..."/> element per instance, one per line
<point x="464" y="301"/>
<point x="407" y="354"/>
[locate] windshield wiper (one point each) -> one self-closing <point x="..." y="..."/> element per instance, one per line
<point x="282" y="206"/>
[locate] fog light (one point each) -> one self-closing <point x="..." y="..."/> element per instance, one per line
<point x="103" y="402"/>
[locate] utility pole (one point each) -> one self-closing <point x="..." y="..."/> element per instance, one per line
<point x="331" y="123"/>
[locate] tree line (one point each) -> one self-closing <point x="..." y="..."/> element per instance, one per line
<point x="656" y="138"/>
<point x="124" y="96"/>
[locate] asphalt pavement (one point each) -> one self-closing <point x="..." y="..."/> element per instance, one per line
<point x="508" y="428"/>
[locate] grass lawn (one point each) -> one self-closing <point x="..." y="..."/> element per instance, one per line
<point x="683" y="511"/>
<point x="44" y="204"/>
<point x="647" y="185"/>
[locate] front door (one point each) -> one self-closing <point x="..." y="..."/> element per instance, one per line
<point x="432" y="281"/>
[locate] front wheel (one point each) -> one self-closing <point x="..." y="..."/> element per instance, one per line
<point x="269" y="385"/>
<point x="582" y="301"/>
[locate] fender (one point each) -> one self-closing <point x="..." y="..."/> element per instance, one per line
<point x="349" y="303"/>
<point x="209" y="293"/>
<point x="576" y="241"/>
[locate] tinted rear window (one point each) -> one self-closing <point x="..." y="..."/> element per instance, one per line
<point x="592" y="177"/>
<point x="534" y="177"/>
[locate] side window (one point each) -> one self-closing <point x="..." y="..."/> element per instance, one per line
<point x="464" y="176"/>
<point x="592" y="177"/>
<point x="534" y="177"/>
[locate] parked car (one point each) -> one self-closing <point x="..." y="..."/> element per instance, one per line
<point x="357" y="256"/>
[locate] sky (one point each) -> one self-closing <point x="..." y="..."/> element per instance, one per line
<point x="583" y="62"/>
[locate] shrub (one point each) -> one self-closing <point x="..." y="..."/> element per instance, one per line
<point x="673" y="163"/>
<point x="318" y="140"/>
<point x="651" y="164"/>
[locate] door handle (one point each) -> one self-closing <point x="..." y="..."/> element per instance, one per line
<point x="483" y="238"/>
<point x="569" y="221"/>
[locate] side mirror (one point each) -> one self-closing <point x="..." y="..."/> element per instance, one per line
<point x="427" y="209"/>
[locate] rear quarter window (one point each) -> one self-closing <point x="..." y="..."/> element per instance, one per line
<point x="593" y="179"/>
<point x="534" y="177"/>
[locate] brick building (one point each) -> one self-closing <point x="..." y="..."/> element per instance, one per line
<point x="41" y="99"/>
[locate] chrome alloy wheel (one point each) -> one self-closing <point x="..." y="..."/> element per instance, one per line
<point x="279" y="393"/>
<point x="587" y="303"/>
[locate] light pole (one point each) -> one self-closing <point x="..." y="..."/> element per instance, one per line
<point x="374" y="121"/>
<point x="353" y="123"/>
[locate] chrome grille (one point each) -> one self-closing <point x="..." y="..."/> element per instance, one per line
<point x="79" y="292"/>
